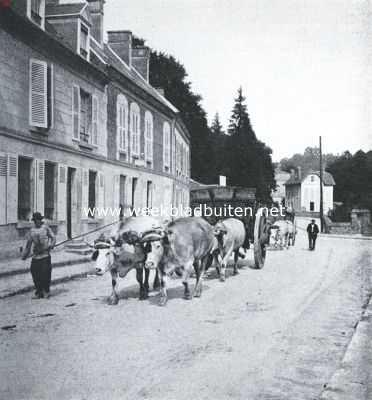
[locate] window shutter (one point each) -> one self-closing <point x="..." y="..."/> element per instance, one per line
<point x="3" y="175"/>
<point x="116" y="196"/>
<point x="94" y="120"/>
<point x="39" y="171"/>
<point x="62" y="194"/>
<point x="84" y="190"/>
<point x="75" y="112"/>
<point x="38" y="94"/>
<point x="101" y="190"/>
<point x="118" y="129"/>
<point x="12" y="189"/>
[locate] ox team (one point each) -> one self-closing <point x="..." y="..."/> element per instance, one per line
<point x="184" y="246"/>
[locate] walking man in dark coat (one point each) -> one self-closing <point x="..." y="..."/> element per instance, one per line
<point x="312" y="233"/>
<point x="41" y="239"/>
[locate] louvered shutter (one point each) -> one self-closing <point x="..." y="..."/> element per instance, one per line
<point x="75" y="112"/>
<point x="101" y="190"/>
<point x="12" y="189"/>
<point x="62" y="194"/>
<point x="3" y="175"/>
<point x="116" y="198"/>
<point x="84" y="190"/>
<point x="95" y="120"/>
<point x="38" y="94"/>
<point x="118" y="130"/>
<point x="39" y="186"/>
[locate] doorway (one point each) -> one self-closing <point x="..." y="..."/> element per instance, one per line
<point x="70" y="183"/>
<point x="312" y="206"/>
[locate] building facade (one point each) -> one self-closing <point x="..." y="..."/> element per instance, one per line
<point x="281" y="177"/>
<point x="302" y="193"/>
<point x="80" y="125"/>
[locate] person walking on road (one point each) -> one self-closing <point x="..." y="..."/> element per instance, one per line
<point x="312" y="233"/>
<point x="42" y="240"/>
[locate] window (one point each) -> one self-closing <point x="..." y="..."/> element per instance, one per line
<point x="25" y="185"/>
<point x="41" y="94"/>
<point x="122" y="123"/>
<point x="149" y="137"/>
<point x="49" y="190"/>
<point x="85" y="113"/>
<point x="166" y="145"/>
<point x="36" y="12"/>
<point x="312" y="178"/>
<point x="122" y="198"/>
<point x="83" y="41"/>
<point x="135" y="129"/>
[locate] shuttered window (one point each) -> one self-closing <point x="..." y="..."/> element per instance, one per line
<point x="94" y="120"/>
<point x="122" y="123"/>
<point x="149" y="133"/>
<point x="135" y="129"/>
<point x="166" y="144"/>
<point x="75" y="112"/>
<point x="38" y="94"/>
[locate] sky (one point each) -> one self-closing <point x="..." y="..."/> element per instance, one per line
<point x="304" y="65"/>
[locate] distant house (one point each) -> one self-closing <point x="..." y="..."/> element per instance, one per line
<point x="281" y="177"/>
<point x="302" y="193"/>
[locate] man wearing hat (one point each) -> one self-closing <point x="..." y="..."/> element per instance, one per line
<point x="312" y="233"/>
<point x="42" y="240"/>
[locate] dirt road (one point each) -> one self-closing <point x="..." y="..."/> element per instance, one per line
<point x="276" y="333"/>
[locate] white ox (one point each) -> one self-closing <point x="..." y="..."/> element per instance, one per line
<point x="282" y="233"/>
<point x="124" y="251"/>
<point x="230" y="234"/>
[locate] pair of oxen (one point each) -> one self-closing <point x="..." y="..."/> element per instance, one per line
<point x="183" y="246"/>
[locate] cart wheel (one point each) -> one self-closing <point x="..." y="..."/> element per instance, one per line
<point x="294" y="232"/>
<point x="260" y="239"/>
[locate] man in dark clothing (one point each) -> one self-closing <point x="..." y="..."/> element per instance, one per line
<point x="312" y="233"/>
<point x="42" y="240"/>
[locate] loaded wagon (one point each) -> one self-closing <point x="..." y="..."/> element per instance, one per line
<point x="237" y="202"/>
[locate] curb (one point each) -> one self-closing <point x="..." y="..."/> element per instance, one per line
<point x="338" y="387"/>
<point x="57" y="264"/>
<point x="54" y="282"/>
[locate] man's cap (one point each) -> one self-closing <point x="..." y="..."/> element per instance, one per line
<point x="313" y="220"/>
<point x="36" y="216"/>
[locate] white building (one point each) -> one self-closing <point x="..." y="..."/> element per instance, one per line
<point x="303" y="192"/>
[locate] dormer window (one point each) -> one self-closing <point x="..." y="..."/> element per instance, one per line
<point x="83" y="42"/>
<point x="36" y="12"/>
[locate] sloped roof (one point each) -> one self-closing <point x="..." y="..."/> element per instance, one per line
<point x="327" y="178"/>
<point x="135" y="76"/>
<point x="64" y="9"/>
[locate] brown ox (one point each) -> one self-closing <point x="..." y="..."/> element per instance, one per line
<point x="186" y="243"/>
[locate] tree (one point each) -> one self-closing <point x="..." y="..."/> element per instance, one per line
<point x="249" y="160"/>
<point x="218" y="145"/>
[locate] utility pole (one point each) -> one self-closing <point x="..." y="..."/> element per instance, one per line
<point x="321" y="211"/>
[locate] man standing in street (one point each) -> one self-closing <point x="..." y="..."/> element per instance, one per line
<point x="42" y="240"/>
<point x="312" y="233"/>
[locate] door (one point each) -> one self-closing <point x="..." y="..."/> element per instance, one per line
<point x="312" y="207"/>
<point x="70" y="179"/>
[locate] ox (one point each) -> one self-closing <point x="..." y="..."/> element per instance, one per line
<point x="187" y="244"/>
<point x="123" y="252"/>
<point x="282" y="233"/>
<point x="230" y="235"/>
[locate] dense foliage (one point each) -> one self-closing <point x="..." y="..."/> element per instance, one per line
<point x="308" y="161"/>
<point x="353" y="174"/>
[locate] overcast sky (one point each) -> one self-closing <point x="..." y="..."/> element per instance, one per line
<point x="303" y="64"/>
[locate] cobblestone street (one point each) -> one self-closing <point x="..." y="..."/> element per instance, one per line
<point x="276" y="333"/>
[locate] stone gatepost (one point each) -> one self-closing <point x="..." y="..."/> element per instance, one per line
<point x="360" y="219"/>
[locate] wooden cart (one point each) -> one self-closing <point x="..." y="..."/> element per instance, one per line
<point x="222" y="199"/>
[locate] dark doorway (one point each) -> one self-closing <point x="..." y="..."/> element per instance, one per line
<point x="24" y="188"/>
<point x="50" y="195"/>
<point x="92" y="192"/>
<point x="312" y="206"/>
<point x="134" y="186"/>
<point x="70" y="181"/>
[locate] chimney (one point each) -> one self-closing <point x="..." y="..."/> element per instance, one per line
<point x="160" y="91"/>
<point x="292" y="173"/>
<point x="299" y="172"/>
<point x="96" y="12"/>
<point x="141" y="61"/>
<point x="121" y="43"/>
